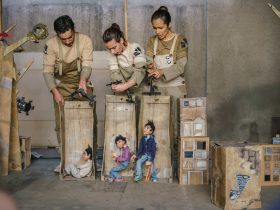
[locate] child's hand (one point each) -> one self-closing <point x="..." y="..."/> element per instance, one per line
<point x="148" y="163"/>
<point x="114" y="158"/>
<point x="114" y="155"/>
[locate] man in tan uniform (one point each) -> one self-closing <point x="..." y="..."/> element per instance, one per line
<point x="67" y="64"/>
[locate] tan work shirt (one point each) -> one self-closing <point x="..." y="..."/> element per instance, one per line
<point x="69" y="54"/>
<point x="129" y="65"/>
<point x="180" y="55"/>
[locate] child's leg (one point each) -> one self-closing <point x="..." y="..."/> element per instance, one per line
<point x="73" y="170"/>
<point x="139" y="163"/>
<point x="114" y="171"/>
<point x="154" y="175"/>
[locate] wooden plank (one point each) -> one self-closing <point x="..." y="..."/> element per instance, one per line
<point x="270" y="169"/>
<point x="25" y="147"/>
<point x="78" y="132"/>
<point x="120" y="118"/>
<point x="14" y="154"/>
<point x="157" y="108"/>
<point x="236" y="175"/>
<point x="7" y="75"/>
<point x="193" y="160"/>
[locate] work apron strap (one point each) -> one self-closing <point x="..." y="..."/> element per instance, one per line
<point x="173" y="45"/>
<point x="78" y="52"/>
<point x="60" y="56"/>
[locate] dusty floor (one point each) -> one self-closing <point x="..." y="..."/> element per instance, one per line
<point x="39" y="188"/>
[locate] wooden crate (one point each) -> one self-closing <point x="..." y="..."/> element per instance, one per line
<point x="77" y="133"/>
<point x="193" y="160"/>
<point x="235" y="175"/>
<point x="270" y="170"/>
<point x="157" y="108"/>
<point x="193" y="120"/>
<point x="25" y="148"/>
<point x="120" y="118"/>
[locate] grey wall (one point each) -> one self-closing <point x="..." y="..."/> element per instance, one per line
<point x="233" y="51"/>
<point x="243" y="69"/>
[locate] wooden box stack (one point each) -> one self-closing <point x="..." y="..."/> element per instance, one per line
<point x="235" y="176"/>
<point x="193" y="117"/>
<point x="270" y="170"/>
<point x="194" y="143"/>
<point x="193" y="167"/>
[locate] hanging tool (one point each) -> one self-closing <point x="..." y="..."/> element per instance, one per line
<point x="24" y="106"/>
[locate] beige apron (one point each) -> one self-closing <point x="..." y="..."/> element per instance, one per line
<point x="175" y="88"/>
<point x="67" y="78"/>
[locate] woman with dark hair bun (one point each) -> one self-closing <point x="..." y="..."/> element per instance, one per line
<point x="127" y="60"/>
<point x="167" y="54"/>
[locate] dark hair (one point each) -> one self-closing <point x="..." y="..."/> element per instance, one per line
<point x="114" y="32"/>
<point x="120" y="137"/>
<point x="89" y="151"/>
<point x="163" y="14"/>
<point x="63" y="24"/>
<point x="151" y="124"/>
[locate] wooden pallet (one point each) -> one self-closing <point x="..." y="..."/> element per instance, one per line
<point x="193" y="160"/>
<point x="77" y="133"/>
<point x="157" y="108"/>
<point x="270" y="169"/>
<point x="120" y="118"/>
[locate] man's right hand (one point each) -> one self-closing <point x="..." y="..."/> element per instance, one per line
<point x="58" y="97"/>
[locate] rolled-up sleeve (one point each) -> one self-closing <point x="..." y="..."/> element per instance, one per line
<point x="181" y="60"/>
<point x="48" y="64"/>
<point x="114" y="68"/>
<point x="87" y="58"/>
<point x="139" y="68"/>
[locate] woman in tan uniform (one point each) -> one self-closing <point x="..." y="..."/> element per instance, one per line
<point x="127" y="60"/>
<point x="167" y="54"/>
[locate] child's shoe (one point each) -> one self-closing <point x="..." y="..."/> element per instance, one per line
<point x="119" y="180"/>
<point x="110" y="179"/>
<point x="137" y="179"/>
<point x="154" y="180"/>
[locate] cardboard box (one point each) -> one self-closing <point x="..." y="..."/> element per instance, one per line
<point x="235" y="177"/>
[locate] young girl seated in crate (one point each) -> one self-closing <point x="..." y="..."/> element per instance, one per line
<point x="123" y="159"/>
<point x="83" y="170"/>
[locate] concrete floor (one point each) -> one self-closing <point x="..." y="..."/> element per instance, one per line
<point x="39" y="188"/>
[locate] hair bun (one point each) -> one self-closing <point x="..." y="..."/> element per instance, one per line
<point x="163" y="8"/>
<point x="115" y="26"/>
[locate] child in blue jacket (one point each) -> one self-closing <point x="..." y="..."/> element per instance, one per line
<point x="146" y="152"/>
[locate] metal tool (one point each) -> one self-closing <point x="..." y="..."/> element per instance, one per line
<point x="24" y="106"/>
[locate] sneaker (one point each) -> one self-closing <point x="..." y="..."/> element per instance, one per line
<point x="110" y="179"/>
<point x="119" y="180"/>
<point x="57" y="169"/>
<point x="136" y="179"/>
<point x="154" y="180"/>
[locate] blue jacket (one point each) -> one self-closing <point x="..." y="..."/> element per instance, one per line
<point x="147" y="147"/>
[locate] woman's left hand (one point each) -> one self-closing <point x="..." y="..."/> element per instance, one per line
<point x="157" y="73"/>
<point x="119" y="87"/>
